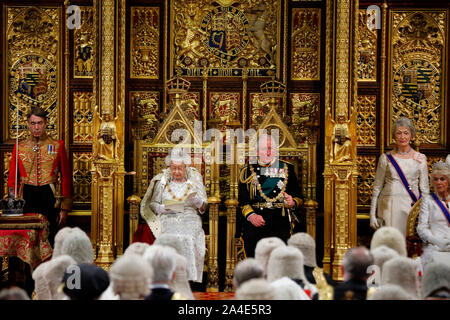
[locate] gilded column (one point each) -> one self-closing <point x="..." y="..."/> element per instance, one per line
<point x="108" y="149"/>
<point x="340" y="172"/>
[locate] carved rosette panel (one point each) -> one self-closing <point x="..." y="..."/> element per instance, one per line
<point x="367" y="50"/>
<point x="223" y="37"/>
<point x="83" y="48"/>
<point x="367" y="170"/>
<point x="82" y="117"/>
<point x="224" y="106"/>
<point x="145" y="108"/>
<point x="144" y="47"/>
<point x="32" y="62"/>
<point x="418" y="71"/>
<point x="6" y="161"/>
<point x="305" y="44"/>
<point x="304" y="109"/>
<point x="366" y="120"/>
<point x="82" y="177"/>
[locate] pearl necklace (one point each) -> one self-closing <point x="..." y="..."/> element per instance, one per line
<point x="404" y="153"/>
<point x="174" y="197"/>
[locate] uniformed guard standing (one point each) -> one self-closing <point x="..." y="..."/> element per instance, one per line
<point x="268" y="196"/>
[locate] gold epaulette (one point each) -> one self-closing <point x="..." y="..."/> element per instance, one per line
<point x="243" y="178"/>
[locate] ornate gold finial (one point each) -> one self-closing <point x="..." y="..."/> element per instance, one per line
<point x="273" y="89"/>
<point x="177" y="85"/>
<point x="225" y="3"/>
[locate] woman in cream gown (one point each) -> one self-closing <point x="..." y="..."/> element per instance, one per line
<point x="184" y="184"/>
<point x="391" y="203"/>
<point x="433" y="227"/>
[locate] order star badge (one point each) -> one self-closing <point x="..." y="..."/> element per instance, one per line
<point x="280" y="184"/>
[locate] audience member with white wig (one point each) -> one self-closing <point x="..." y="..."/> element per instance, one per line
<point x="263" y="249"/>
<point x="288" y="289"/>
<point x="137" y="248"/>
<point x="382" y="254"/>
<point x="131" y="276"/>
<point x="247" y="269"/>
<point x="390" y="292"/>
<point x="78" y="245"/>
<point x="256" y="289"/>
<point x="286" y="261"/>
<point x="59" y="239"/>
<point x="402" y="271"/>
<point x="436" y="281"/>
<point x="390" y="237"/>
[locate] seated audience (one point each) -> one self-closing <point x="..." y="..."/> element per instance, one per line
<point x="382" y="254"/>
<point x="131" y="276"/>
<point x="263" y="249"/>
<point x="436" y="282"/>
<point x="390" y="237"/>
<point x="355" y="263"/>
<point x="59" y="239"/>
<point x="245" y="270"/>
<point x="92" y="282"/>
<point x="287" y="261"/>
<point x="402" y="272"/>
<point x="256" y="289"/>
<point x="78" y="245"/>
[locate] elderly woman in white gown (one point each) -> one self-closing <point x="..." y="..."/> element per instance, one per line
<point x="391" y="198"/>
<point x="183" y="184"/>
<point x="434" y="217"/>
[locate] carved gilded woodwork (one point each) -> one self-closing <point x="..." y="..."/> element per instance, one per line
<point x="366" y="120"/>
<point x="304" y="111"/>
<point x="418" y="64"/>
<point x="367" y="49"/>
<point x="224" y="38"/>
<point x="367" y="170"/>
<point x="144" y="44"/>
<point x="305" y="44"/>
<point x="6" y="161"/>
<point x="224" y="106"/>
<point x="259" y="106"/>
<point x="145" y="109"/>
<point x="82" y="179"/>
<point x="33" y="58"/>
<point x="83" y="45"/>
<point x="431" y="160"/>
<point x="82" y="117"/>
<point x="190" y="103"/>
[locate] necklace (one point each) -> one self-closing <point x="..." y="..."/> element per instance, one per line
<point x="404" y="153"/>
<point x="261" y="193"/>
<point x="174" y="197"/>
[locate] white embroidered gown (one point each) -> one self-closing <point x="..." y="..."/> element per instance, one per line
<point x="390" y="200"/>
<point x="187" y="225"/>
<point x="432" y="225"/>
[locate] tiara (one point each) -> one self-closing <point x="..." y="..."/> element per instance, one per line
<point x="440" y="166"/>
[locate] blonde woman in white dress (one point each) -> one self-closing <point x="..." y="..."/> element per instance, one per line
<point x="391" y="200"/>
<point x="184" y="184"/>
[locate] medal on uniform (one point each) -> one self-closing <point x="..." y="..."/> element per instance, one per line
<point x="280" y="184"/>
<point x="35" y="148"/>
<point x="50" y="149"/>
<point x="269" y="205"/>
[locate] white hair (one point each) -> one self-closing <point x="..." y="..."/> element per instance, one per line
<point x="441" y="168"/>
<point x="390" y="237"/>
<point x="59" y="239"/>
<point x="286" y="261"/>
<point x="171" y="240"/>
<point x="131" y="276"/>
<point x="264" y="247"/>
<point x="402" y="272"/>
<point x="247" y="269"/>
<point x="307" y="245"/>
<point x="181" y="283"/>
<point x="178" y="154"/>
<point x="137" y="248"/>
<point x="404" y="122"/>
<point x="436" y="276"/>
<point x="78" y="245"/>
<point x="162" y="260"/>
<point x="382" y="254"/>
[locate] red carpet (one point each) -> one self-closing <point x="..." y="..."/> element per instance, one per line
<point x="213" y="295"/>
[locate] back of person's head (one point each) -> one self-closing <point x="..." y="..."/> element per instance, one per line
<point x="170" y="240"/>
<point x="180" y="283"/>
<point x="390" y="237"/>
<point x="256" y="289"/>
<point x="288" y="289"/>
<point x="401" y="271"/>
<point x="163" y="262"/>
<point x="285" y="261"/>
<point x="382" y="254"/>
<point x="247" y="269"/>
<point x="59" y="239"/>
<point x="390" y="292"/>
<point x="436" y="281"/>
<point x="356" y="262"/>
<point x="41" y="289"/>
<point x="264" y="247"/>
<point x="14" y="293"/>
<point x="54" y="273"/>
<point x="307" y="245"/>
<point x="78" y="245"/>
<point x="137" y="248"/>
<point x="131" y="276"/>
<point x="84" y="281"/>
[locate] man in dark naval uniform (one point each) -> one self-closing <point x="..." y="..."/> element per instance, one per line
<point x="268" y="196"/>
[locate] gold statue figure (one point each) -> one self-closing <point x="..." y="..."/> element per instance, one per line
<point x="107" y="139"/>
<point x="342" y="141"/>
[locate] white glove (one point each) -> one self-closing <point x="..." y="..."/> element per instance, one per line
<point x="196" y="201"/>
<point x="374" y="222"/>
<point x="161" y="209"/>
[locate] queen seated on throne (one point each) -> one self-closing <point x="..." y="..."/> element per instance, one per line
<point x="172" y="204"/>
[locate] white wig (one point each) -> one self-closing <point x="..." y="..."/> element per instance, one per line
<point x="137" y="248"/>
<point x="59" y="239"/>
<point x="287" y="289"/>
<point x="307" y="245"/>
<point x="78" y="245"/>
<point x="163" y="262"/>
<point x="285" y="261"/>
<point x="181" y="283"/>
<point x="247" y="269"/>
<point x="435" y="277"/>
<point x="390" y="237"/>
<point x="264" y="247"/>
<point x="390" y="292"/>
<point x="256" y="289"/>
<point x="382" y="254"/>
<point x="402" y="272"/>
<point x="178" y="154"/>
<point x="131" y="276"/>
<point x="171" y="240"/>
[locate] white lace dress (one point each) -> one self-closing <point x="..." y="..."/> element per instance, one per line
<point x="390" y="200"/>
<point x="432" y="225"/>
<point x="186" y="225"/>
